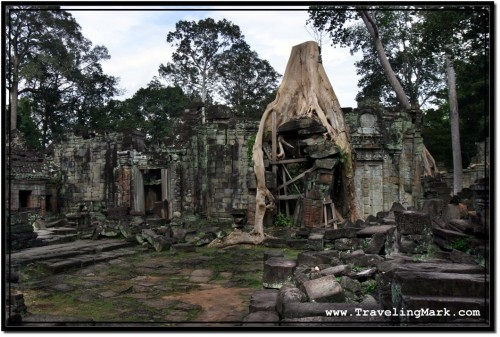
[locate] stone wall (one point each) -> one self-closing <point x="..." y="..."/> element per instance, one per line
<point x="208" y="173"/>
<point x="90" y="174"/>
<point x="388" y="149"/>
<point x="216" y="169"/>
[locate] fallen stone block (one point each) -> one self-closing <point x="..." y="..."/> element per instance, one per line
<point x="440" y="284"/>
<point x="264" y="300"/>
<point x="411" y="222"/>
<point x="340" y="233"/>
<point x="277" y="272"/>
<point x="324" y="289"/>
<point x="261" y="318"/>
<point x="312" y="259"/>
<point x="288" y="294"/>
<point x="377" y="244"/>
<point x="272" y="253"/>
<point x="340" y="270"/>
<point x="348" y="244"/>
<point x="184" y="247"/>
<point x="371" y="230"/>
<point x="315" y="241"/>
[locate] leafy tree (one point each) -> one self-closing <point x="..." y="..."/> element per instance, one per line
<point x="55" y="66"/>
<point x="153" y="110"/>
<point x="394" y="67"/>
<point x="415" y="41"/>
<point x="456" y="35"/>
<point x="205" y="64"/>
<point x="27" y="126"/>
<point x="249" y="82"/>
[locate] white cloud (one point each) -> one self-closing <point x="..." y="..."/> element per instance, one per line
<point x="136" y="40"/>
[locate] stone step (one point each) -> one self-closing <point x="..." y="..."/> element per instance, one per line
<point x="66" y="250"/>
<point x="59" y="265"/>
<point x="453" y="308"/>
<point x="56" y="239"/>
<point x="441" y="284"/>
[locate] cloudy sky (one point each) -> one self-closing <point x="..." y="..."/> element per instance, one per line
<point x="136" y="40"/>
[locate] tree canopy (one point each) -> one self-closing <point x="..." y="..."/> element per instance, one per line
<point x="50" y="63"/>
<point x="213" y="61"/>
<point x="415" y="40"/>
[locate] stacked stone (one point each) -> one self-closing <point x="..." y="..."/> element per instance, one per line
<point x="21" y="232"/>
<point x="414" y="232"/>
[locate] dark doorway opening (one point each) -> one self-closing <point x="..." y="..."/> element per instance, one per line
<point x="24" y="199"/>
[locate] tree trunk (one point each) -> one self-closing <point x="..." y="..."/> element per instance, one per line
<point x="13" y="106"/>
<point x="304" y="92"/>
<point x="391" y="76"/>
<point x="13" y="92"/>
<point x="455" y="129"/>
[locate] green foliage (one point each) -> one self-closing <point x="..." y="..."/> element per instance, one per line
<point x="54" y="66"/>
<point x="282" y="220"/>
<point x="250" y="144"/>
<point x="369" y="286"/>
<point x="153" y="110"/>
<point x="27" y="125"/>
<point x="461" y="244"/>
<point x="213" y="61"/>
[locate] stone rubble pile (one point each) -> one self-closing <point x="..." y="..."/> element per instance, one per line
<point x="377" y="270"/>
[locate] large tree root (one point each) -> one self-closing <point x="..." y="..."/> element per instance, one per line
<point x="304" y="92"/>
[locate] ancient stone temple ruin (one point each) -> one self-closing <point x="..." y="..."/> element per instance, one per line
<point x="207" y="171"/>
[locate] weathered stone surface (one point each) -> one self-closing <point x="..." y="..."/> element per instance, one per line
<point x="410" y="222"/>
<point x="327" y="164"/>
<point x="449" y="235"/>
<point x="440" y="284"/>
<point x="432" y="267"/>
<point x="322" y="151"/>
<point x="461" y="257"/>
<point x="315" y="241"/>
<point x="351" y="285"/>
<point x="371" y="230"/>
<point x="414" y="244"/>
<point x="278" y="271"/>
<point x="336" y="271"/>
<point x="288" y="294"/>
<point x="324" y="289"/>
<point x="201" y="275"/>
<point x="377" y="244"/>
<point x="348" y="244"/>
<point x="261" y="318"/>
<point x="272" y="253"/>
<point x="297" y="124"/>
<point x="397" y="207"/>
<point x="297" y="243"/>
<point x="340" y="233"/>
<point x="179" y="234"/>
<point x="462" y="225"/>
<point x="357" y="258"/>
<point x="184" y="247"/>
<point x="451" y="212"/>
<point x="264" y="300"/>
<point x="312" y="259"/>
<point x="433" y="207"/>
<point x="364" y="274"/>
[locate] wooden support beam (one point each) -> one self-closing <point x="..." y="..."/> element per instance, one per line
<point x="287" y="206"/>
<point x="274" y="147"/>
<point x="298" y="177"/>
<point x="290" y="161"/>
<point x="289" y="197"/>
